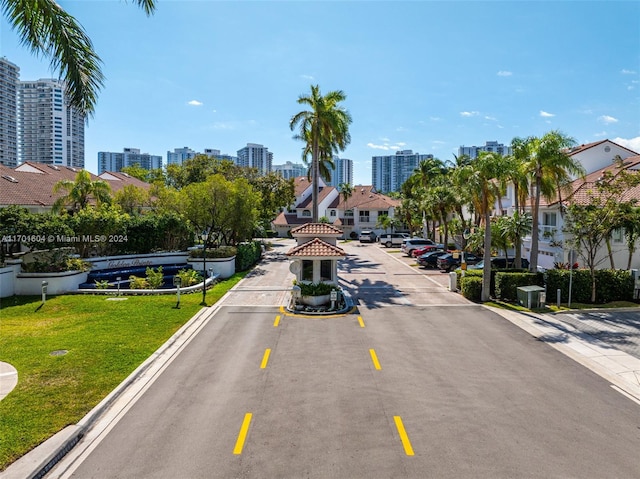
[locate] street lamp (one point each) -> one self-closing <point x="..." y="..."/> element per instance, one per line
<point x="205" y="237"/>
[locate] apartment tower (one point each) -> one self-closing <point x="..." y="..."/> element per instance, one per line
<point x="9" y="77"/>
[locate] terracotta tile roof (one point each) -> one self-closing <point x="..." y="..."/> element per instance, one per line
<point x="583" y="188"/>
<point x="366" y="197"/>
<point x="33" y="183"/>
<point x="316" y="229"/>
<point x="586" y="146"/>
<point x="316" y="248"/>
<point x="301" y="183"/>
<point x="324" y="191"/>
<point x="288" y="219"/>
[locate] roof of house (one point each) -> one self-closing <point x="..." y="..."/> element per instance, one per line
<point x="316" y="229"/>
<point x="366" y="197"/>
<point x="31" y="184"/>
<point x="583" y="188"/>
<point x="586" y="146"/>
<point x="323" y="192"/>
<point x="317" y="248"/>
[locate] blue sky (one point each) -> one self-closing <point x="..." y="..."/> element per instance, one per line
<point x="428" y="76"/>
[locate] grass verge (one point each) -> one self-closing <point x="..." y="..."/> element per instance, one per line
<point x="552" y="308"/>
<point x="105" y="341"/>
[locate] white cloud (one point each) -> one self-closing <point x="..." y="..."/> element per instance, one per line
<point x="377" y="147"/>
<point x="307" y="77"/>
<point x="606" y="119"/>
<point x="435" y="118"/>
<point x="504" y="73"/>
<point x="491" y="118"/>
<point x="194" y="103"/>
<point x="631" y="143"/>
<point x="545" y="114"/>
<point x="628" y="72"/>
<point x="387" y="146"/>
<point x="602" y="134"/>
<point x="468" y="114"/>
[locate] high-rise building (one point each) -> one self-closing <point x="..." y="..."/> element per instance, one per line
<point x="110" y="161"/>
<point x="256" y="156"/>
<point x="290" y="170"/>
<point x="388" y="173"/>
<point x="179" y="155"/>
<point x="491" y="146"/>
<point x="50" y="130"/>
<point x="342" y="172"/>
<point x="220" y="156"/>
<point x="9" y="76"/>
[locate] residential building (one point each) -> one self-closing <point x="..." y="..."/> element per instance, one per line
<point x="256" y="156"/>
<point x="490" y="146"/>
<point x="290" y="170"/>
<point x="362" y="210"/>
<point x="30" y="185"/>
<point x="110" y="161"/>
<point x="220" y="156"/>
<point x="342" y="172"/>
<point x="179" y="155"/>
<point x="9" y="77"/>
<point x="390" y="172"/>
<point x="50" y="130"/>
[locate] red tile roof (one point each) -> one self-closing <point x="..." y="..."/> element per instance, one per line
<point x="316" y="229"/>
<point x="31" y="184"/>
<point x="366" y="197"/>
<point x="323" y="193"/>
<point x="316" y="248"/>
<point x="579" y="149"/>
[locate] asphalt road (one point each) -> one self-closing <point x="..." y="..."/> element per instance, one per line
<point x="417" y="383"/>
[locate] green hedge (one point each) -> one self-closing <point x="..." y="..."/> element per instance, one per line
<point x="611" y="285"/>
<point x="248" y="254"/>
<point x="507" y="283"/>
<point x="471" y="287"/>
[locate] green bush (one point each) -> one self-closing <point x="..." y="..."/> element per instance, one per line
<point x="507" y="283"/>
<point x="188" y="277"/>
<point x="474" y="273"/>
<point x="135" y="282"/>
<point x="155" y="278"/>
<point x="315" y="289"/>
<point x="611" y="285"/>
<point x="471" y="287"/>
<point x="248" y="254"/>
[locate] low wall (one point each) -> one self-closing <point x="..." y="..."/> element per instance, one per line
<point x="128" y="261"/>
<point x="222" y="267"/>
<point x="8" y="278"/>
<point x="59" y="283"/>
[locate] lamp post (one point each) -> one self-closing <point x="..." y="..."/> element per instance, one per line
<point x="205" y="237"/>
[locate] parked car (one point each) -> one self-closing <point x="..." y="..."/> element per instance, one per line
<point x="429" y="259"/>
<point x="501" y="263"/>
<point x="392" y="239"/>
<point x="410" y="244"/>
<point x="367" y="236"/>
<point x="425" y="249"/>
<point x="447" y="262"/>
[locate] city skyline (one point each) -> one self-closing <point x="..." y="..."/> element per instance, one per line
<point x="422" y="76"/>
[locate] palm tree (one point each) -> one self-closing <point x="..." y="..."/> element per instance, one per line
<point x="346" y="191"/>
<point x="481" y="178"/>
<point x="325" y="130"/>
<point x="550" y="168"/>
<point x="80" y="192"/>
<point x="48" y="30"/>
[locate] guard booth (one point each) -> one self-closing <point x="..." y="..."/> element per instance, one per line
<point x="531" y="297"/>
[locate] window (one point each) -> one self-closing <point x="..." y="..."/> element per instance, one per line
<point x="348" y="214"/>
<point x="307" y="270"/>
<point x="617" y="235"/>
<point x="306" y="213"/>
<point x="326" y="270"/>
<point x="332" y="213"/>
<point x="549" y="219"/>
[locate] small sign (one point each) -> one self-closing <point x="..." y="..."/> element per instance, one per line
<point x="334" y="295"/>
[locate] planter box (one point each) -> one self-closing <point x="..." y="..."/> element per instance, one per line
<point x="316" y="300"/>
<point x="223" y="267"/>
<point x="31" y="283"/>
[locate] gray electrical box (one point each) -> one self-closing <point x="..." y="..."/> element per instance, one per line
<point x="531" y="296"/>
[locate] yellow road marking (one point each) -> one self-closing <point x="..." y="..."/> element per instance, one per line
<point x="276" y="322"/>
<point x="244" y="429"/>
<point x="265" y="358"/>
<point x="374" y="358"/>
<point x="403" y="436"/>
<point x="361" y="321"/>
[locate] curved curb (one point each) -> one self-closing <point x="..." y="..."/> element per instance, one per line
<point x="8" y="379"/>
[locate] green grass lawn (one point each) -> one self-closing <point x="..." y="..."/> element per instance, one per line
<point x="105" y="340"/>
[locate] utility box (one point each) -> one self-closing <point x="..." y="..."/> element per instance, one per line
<point x="531" y="296"/>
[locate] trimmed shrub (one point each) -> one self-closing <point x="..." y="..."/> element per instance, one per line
<point x="611" y="285"/>
<point x="248" y="254"/>
<point x="507" y="283"/>
<point x="155" y="278"/>
<point x="471" y="287"/>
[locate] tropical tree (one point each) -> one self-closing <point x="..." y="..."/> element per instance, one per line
<point x="516" y="227"/>
<point x="132" y="199"/>
<point x="80" y="192"/>
<point x="551" y="169"/>
<point x="481" y="178"/>
<point x="276" y="193"/>
<point x="48" y="30"/>
<point x="324" y="128"/>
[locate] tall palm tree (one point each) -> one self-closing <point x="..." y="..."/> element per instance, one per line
<point x="482" y="180"/>
<point x="346" y="191"/>
<point x="550" y="168"/>
<point x="325" y="130"/>
<point x="48" y="30"/>
<point x="80" y="192"/>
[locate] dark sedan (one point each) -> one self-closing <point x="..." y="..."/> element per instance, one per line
<point x="429" y="259"/>
<point x="447" y="262"/>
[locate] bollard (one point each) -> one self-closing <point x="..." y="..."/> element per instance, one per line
<point x="559" y="296"/>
